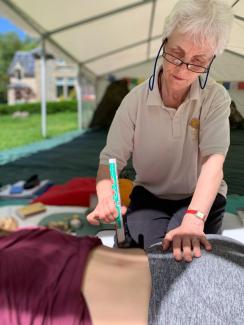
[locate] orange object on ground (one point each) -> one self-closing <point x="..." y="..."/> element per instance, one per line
<point x="125" y="186"/>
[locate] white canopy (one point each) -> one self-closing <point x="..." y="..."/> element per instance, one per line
<point x="119" y="37"/>
<point x="110" y="35"/>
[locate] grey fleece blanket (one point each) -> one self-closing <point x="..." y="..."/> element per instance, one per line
<point x="207" y="291"/>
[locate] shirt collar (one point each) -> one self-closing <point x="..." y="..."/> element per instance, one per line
<point x="154" y="98"/>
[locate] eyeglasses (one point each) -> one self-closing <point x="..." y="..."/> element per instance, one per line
<point x="176" y="61"/>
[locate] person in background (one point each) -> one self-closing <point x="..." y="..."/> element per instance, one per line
<point x="236" y="119"/>
<point x="175" y="126"/>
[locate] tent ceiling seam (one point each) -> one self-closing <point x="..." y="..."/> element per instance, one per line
<point x="233" y="5"/>
<point x="85" y="70"/>
<point x="239" y="17"/>
<point x="121" y="49"/>
<point x="30" y="21"/>
<point x="235" y="53"/>
<point x="150" y="31"/>
<point x="94" y="18"/>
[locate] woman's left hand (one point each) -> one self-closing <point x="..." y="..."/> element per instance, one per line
<point x="186" y="239"/>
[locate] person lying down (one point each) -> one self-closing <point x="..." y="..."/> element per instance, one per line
<point x="49" y="277"/>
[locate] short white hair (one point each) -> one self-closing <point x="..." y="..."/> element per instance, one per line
<point x="203" y="20"/>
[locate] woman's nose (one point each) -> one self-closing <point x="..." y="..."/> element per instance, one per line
<point x="182" y="67"/>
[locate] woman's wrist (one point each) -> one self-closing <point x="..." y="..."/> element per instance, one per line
<point x="191" y="221"/>
<point x="104" y="189"/>
<point x="198" y="214"/>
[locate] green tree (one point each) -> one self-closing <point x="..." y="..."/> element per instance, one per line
<point x="9" y="44"/>
<point x="29" y="44"/>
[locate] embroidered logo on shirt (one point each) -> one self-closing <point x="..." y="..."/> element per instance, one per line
<point x="195" y="123"/>
<point x="195" y="126"/>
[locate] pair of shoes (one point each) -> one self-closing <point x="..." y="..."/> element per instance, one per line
<point x="31" y="182"/>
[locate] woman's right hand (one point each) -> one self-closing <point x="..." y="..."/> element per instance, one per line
<point x="105" y="211"/>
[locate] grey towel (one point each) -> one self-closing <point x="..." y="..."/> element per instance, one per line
<point x="208" y="291"/>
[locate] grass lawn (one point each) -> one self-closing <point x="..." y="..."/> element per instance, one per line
<point x="16" y="132"/>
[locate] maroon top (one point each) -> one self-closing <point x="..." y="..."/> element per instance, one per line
<point x="40" y="277"/>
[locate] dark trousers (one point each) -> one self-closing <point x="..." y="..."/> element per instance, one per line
<point x="149" y="218"/>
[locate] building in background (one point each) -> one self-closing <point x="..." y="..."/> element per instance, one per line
<point x="25" y="79"/>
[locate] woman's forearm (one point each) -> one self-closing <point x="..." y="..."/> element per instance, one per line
<point x="104" y="183"/>
<point x="102" y="173"/>
<point x="208" y="184"/>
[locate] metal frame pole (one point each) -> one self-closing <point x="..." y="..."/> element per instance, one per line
<point x="43" y="91"/>
<point x="79" y="97"/>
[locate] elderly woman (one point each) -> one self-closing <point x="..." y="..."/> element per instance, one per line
<point x="177" y="131"/>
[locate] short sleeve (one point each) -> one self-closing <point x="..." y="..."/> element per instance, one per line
<point x="214" y="135"/>
<point x="120" y="137"/>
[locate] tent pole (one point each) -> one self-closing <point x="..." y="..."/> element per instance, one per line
<point x="79" y="97"/>
<point x="96" y="86"/>
<point x="43" y="91"/>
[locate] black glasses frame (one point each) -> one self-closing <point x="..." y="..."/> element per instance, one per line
<point x="205" y="70"/>
<point x="152" y="78"/>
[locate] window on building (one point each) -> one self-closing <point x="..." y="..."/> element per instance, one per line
<point x="71" y="92"/>
<point x="65" y="87"/>
<point x="60" y="87"/>
<point x="71" y="81"/>
<point x="59" y="91"/>
<point x="60" y="81"/>
<point x="18" y="74"/>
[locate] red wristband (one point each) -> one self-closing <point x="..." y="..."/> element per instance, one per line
<point x="197" y="214"/>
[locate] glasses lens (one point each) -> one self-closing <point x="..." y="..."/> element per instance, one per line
<point x="170" y="58"/>
<point x="196" y="68"/>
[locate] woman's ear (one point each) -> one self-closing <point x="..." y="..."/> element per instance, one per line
<point x="152" y="78"/>
<point x="164" y="41"/>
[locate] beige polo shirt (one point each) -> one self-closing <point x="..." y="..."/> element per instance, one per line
<point x="167" y="144"/>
